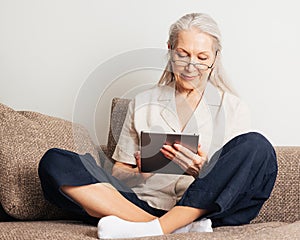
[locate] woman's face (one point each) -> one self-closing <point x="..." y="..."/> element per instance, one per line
<point x="192" y="47"/>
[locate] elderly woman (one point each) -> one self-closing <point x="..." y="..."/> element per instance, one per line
<point x="226" y="181"/>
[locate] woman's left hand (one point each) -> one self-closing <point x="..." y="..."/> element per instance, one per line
<point x="189" y="161"/>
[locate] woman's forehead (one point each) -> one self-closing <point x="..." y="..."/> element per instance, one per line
<point x="194" y="41"/>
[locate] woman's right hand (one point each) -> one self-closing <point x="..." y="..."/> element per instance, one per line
<point x="137" y="156"/>
<point x="129" y="174"/>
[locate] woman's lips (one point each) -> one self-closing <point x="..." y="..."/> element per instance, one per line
<point x="187" y="77"/>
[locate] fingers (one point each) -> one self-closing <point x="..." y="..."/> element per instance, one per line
<point x="201" y="153"/>
<point x="198" y="159"/>
<point x="189" y="161"/>
<point x="193" y="171"/>
<point x="177" y="156"/>
<point x="173" y="156"/>
<point x="187" y="152"/>
<point x="137" y="156"/>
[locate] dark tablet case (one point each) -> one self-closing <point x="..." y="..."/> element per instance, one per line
<point x="152" y="160"/>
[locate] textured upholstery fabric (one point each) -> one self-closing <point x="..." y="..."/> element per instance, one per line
<point x="63" y="230"/>
<point x="25" y="137"/>
<point x="119" y="109"/>
<point x="4" y="216"/>
<point x="47" y="230"/>
<point x="284" y="203"/>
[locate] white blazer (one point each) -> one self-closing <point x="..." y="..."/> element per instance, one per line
<point x="218" y="118"/>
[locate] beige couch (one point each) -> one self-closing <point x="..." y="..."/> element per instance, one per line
<point x="25" y="214"/>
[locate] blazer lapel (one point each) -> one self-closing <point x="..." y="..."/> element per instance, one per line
<point x="212" y="96"/>
<point x="210" y="103"/>
<point x="169" y="112"/>
<point x="210" y="106"/>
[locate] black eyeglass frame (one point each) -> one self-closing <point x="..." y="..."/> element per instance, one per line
<point x="196" y="64"/>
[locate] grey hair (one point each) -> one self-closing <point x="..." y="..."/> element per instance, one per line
<point x="204" y="23"/>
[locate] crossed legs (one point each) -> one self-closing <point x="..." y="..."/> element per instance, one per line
<point x="75" y="183"/>
<point x="113" y="203"/>
<point x="101" y="200"/>
<point x="247" y="164"/>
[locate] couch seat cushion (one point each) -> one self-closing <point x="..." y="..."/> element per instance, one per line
<point x="76" y="230"/>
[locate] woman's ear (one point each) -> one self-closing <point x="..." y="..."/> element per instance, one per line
<point x="169" y="45"/>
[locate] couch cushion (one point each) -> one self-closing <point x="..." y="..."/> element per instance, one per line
<point x="43" y="230"/>
<point x="25" y="137"/>
<point x="284" y="203"/>
<point x="119" y="108"/>
<point x="4" y="216"/>
<point x="76" y="230"/>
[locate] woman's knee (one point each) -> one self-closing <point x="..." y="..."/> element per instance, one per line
<point x="260" y="143"/>
<point x="260" y="146"/>
<point x="51" y="161"/>
<point x="248" y="149"/>
<point x="257" y="139"/>
<point x="253" y="141"/>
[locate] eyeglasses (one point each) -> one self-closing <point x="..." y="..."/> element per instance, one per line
<point x="199" y="66"/>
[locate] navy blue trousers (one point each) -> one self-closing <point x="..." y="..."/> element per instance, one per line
<point x="233" y="191"/>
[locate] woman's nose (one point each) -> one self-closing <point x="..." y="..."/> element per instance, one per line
<point x="191" y="67"/>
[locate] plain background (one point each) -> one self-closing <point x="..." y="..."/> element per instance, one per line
<point x="49" y="49"/>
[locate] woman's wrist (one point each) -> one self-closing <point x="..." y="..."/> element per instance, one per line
<point x="130" y="177"/>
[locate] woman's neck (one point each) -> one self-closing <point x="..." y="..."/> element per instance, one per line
<point x="186" y="103"/>
<point x="189" y="93"/>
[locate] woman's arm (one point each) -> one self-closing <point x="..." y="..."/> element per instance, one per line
<point x="130" y="174"/>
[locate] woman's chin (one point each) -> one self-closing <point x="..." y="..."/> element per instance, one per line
<point x="185" y="87"/>
<point x="189" y="85"/>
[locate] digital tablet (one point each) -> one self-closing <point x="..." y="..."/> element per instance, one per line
<point x="152" y="160"/>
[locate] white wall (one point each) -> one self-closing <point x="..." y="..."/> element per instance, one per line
<point x="55" y="54"/>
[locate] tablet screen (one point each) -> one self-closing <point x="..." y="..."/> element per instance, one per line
<point x="152" y="160"/>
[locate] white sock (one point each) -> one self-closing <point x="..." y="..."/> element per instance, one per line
<point x="204" y="225"/>
<point x="113" y="227"/>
